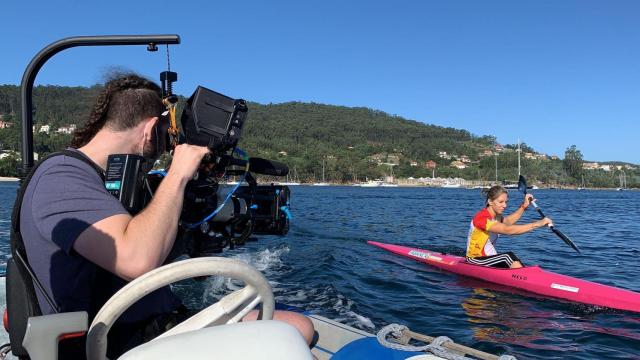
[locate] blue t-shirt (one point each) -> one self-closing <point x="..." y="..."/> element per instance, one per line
<point x="64" y="197"/>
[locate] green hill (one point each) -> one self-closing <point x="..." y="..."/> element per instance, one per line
<point x="353" y="143"/>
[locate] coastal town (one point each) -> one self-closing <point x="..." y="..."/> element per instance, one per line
<point x="391" y="160"/>
<point x="461" y="162"/>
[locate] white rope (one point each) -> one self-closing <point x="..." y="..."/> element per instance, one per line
<point x="435" y="347"/>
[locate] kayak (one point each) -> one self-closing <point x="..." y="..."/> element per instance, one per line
<point x="529" y="278"/>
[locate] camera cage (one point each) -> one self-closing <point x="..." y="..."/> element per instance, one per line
<point x="210" y="223"/>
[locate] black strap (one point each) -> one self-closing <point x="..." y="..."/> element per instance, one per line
<point x="36" y="282"/>
<point x="18" y="249"/>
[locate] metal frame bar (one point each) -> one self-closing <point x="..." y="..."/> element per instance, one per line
<point x="45" y="54"/>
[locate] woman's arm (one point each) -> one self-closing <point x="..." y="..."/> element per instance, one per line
<point x="510" y="229"/>
<point x="513" y="218"/>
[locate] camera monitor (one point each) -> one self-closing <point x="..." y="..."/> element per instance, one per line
<point x="213" y="120"/>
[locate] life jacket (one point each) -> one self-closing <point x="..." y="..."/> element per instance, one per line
<point x="22" y="302"/>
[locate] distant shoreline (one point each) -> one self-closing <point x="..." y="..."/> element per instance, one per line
<point x="3" y="178"/>
<point x="405" y="185"/>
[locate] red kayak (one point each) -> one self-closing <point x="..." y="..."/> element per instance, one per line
<point x="530" y="278"/>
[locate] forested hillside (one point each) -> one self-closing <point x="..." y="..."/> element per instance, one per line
<point x="353" y="143"/>
<point x="350" y="140"/>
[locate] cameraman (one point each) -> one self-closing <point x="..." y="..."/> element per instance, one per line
<point x="80" y="241"/>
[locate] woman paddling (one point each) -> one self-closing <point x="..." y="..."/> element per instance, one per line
<point x="489" y="222"/>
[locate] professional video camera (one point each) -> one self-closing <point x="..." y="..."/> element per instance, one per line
<point x="210" y="220"/>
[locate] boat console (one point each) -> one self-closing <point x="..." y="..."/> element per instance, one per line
<point x="215" y="332"/>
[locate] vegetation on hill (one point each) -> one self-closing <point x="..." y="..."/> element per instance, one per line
<point x="354" y="144"/>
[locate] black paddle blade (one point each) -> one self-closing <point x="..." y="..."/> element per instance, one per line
<point x="522" y="184"/>
<point x="565" y="238"/>
<point x="522" y="187"/>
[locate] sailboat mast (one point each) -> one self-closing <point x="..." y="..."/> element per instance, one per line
<point x="620" y="177"/>
<point x="519" y="158"/>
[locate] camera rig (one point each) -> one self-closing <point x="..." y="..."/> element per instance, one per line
<point x="210" y="220"/>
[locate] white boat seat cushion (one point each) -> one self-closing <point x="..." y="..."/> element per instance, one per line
<point x="266" y="339"/>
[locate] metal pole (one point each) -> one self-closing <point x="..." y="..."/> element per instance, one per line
<point x="496" y="156"/>
<point x="45" y="54"/>
<point x="519" y="158"/>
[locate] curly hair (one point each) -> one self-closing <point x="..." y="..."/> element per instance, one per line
<point x="125" y="101"/>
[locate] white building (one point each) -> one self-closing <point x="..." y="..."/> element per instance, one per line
<point x="67" y="129"/>
<point x="458" y="164"/>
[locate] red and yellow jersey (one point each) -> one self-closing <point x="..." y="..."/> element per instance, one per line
<point x="480" y="240"/>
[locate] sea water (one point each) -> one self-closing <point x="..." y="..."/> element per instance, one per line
<point x="323" y="265"/>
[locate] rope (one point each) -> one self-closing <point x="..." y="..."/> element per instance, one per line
<point x="171" y="106"/>
<point x="436" y="347"/>
<point x="4" y="350"/>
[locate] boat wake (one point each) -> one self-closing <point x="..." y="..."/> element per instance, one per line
<point x="321" y="300"/>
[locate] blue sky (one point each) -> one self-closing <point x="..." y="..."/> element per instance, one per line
<point x="551" y="73"/>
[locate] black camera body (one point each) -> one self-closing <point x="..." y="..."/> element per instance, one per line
<point x="214" y="221"/>
<point x="271" y="208"/>
<point x="257" y="209"/>
<point x="213" y="120"/>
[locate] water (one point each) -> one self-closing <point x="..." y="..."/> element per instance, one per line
<point x="325" y="266"/>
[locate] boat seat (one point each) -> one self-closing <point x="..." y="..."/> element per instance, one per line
<point x="265" y="339"/>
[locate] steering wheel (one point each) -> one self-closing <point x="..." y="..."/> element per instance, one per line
<point x="230" y="309"/>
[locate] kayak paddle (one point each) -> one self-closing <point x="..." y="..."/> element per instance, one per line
<point x="522" y="187"/>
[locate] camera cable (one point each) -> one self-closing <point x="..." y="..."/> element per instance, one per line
<point x="226" y="199"/>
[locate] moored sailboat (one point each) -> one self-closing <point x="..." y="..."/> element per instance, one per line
<point x="323" y="183"/>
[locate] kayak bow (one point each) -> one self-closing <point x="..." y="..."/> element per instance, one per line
<point x="530" y="278"/>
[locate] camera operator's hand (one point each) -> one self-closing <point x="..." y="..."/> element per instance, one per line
<point x="186" y="159"/>
<point x="131" y="246"/>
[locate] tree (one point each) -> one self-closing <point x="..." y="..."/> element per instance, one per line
<point x="9" y="165"/>
<point x="572" y="162"/>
